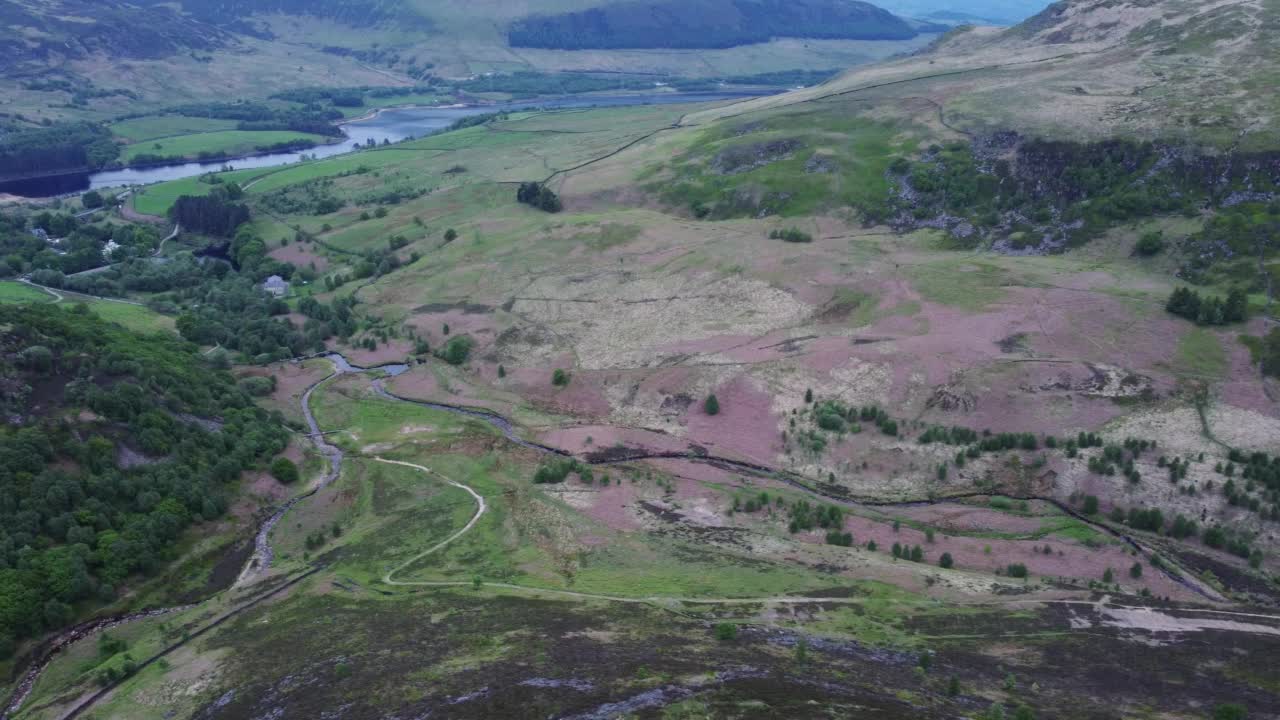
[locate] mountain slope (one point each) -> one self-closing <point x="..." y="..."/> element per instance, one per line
<point x="1200" y="72"/>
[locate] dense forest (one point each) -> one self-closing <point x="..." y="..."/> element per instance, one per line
<point x="706" y="24"/>
<point x="214" y="214"/>
<point x="76" y="520"/>
<point x="57" y="148"/>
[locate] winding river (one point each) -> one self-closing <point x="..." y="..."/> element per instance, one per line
<point x="390" y="125"/>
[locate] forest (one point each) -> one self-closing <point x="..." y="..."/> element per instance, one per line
<point x="76" y="524"/>
<point x="213" y="214"/>
<point x="58" y="147"/>
<point x="706" y="24"/>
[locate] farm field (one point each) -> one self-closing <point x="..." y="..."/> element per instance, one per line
<point x="231" y="142"/>
<point x="167" y="126"/>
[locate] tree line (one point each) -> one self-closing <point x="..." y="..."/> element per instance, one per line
<point x="1209" y="309"/>
<point x="59" y="147"/>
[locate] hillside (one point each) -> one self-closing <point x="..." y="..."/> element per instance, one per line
<point x="1176" y="70"/>
<point x="946" y="388"/>
<point x="115" y="447"/>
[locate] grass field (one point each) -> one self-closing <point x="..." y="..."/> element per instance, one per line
<point x="231" y="142"/>
<point x="15" y="292"/>
<point x="167" y="126"/>
<point x="133" y="317"/>
<point x="1200" y="353"/>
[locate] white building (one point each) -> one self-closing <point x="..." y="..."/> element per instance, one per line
<point x="276" y="286"/>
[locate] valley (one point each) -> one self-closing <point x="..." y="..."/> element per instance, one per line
<point x="946" y="386"/>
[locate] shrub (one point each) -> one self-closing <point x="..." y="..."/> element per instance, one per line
<point x="109" y="645"/>
<point x="450" y="235"/>
<point x="1229" y="711"/>
<point x="791" y="235"/>
<point x="559" y="378"/>
<point x="1016" y="570"/>
<point x="726" y="631"/>
<point x="1135" y="572"/>
<point x="712" y="405"/>
<point x="1091" y="505"/>
<point x="1150" y="244"/>
<point x="284" y="470"/>
<point x="457" y="350"/>
<point x="946" y="562"/>
<point x="539" y="196"/>
<point x="555" y="471"/>
<point x="258" y="386"/>
<point x="835" y="537"/>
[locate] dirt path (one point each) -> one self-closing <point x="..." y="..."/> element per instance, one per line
<point x="481" y="507"/>
<point x="1108" y="615"/>
<point x="57" y="296"/>
<point x="61" y="294"/>
<point x="160" y="248"/>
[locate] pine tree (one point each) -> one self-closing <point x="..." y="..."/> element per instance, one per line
<point x="712" y="405"/>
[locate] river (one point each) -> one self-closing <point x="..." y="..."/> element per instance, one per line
<point x="391" y="125"/>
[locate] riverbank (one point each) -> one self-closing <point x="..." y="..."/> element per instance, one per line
<point x="380" y="126"/>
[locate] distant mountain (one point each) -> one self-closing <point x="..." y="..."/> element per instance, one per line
<point x="978" y="12"/>
<point x="59" y="30"/>
<point x="706" y="24"/>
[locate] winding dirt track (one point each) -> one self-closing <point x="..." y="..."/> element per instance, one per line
<point x="1118" y="615"/>
<point x="481" y="507"/>
<point x="1122" y="616"/>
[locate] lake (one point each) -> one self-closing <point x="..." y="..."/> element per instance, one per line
<point x="392" y="125"/>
